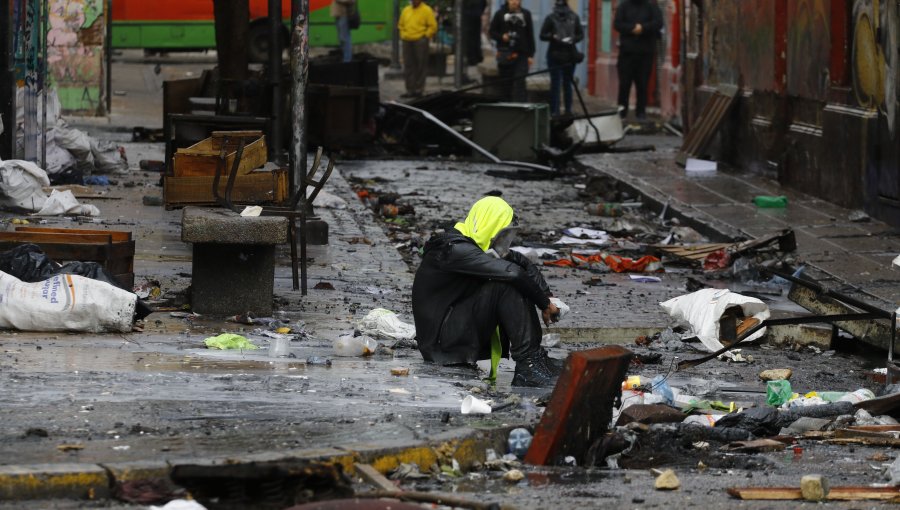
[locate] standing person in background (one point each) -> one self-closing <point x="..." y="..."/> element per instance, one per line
<point x="417" y="26"/>
<point x="341" y="11"/>
<point x="471" y="25"/>
<point x="513" y="31"/>
<point x="639" y="23"/>
<point x="562" y="28"/>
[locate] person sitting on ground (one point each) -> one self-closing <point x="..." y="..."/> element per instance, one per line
<point x="473" y="297"/>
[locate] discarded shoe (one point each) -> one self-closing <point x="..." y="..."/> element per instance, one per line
<point x="534" y="372"/>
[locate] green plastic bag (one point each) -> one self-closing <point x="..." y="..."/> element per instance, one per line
<point x="229" y="341"/>
<point x="770" y="202"/>
<point x="778" y="392"/>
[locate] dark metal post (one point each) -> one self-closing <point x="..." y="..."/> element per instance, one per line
<point x="7" y="82"/>
<point x="458" y="43"/>
<point x="109" y="52"/>
<point x="45" y="79"/>
<point x="299" y="78"/>
<point x="395" y="38"/>
<point x="276" y="146"/>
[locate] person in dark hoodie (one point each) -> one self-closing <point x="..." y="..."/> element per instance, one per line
<point x="513" y="31"/>
<point x="639" y="23"/>
<point x="562" y="28"/>
<point x="475" y="299"/>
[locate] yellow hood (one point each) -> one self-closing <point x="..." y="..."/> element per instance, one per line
<point x="487" y="217"/>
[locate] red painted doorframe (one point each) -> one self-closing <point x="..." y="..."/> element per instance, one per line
<point x="840" y="31"/>
<point x="780" y="46"/>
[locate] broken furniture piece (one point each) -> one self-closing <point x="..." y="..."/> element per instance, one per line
<point x="233" y="266"/>
<point x="707" y="124"/>
<point x="512" y="131"/>
<point x="195" y="171"/>
<point x="113" y="249"/>
<point x="311" y="187"/>
<point x="784" y="241"/>
<point x="849" y="313"/>
<point x="580" y="409"/>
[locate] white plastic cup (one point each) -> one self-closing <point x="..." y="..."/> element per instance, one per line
<point x="472" y="405"/>
<point x="279" y="347"/>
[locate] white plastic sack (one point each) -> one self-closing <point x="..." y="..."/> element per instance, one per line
<point x="327" y="200"/>
<point x="65" y="303"/>
<point x="109" y="158"/>
<point x="64" y="202"/>
<point x="896" y="262"/>
<point x="21" y="184"/>
<point x="75" y="141"/>
<point x="703" y="309"/>
<point x="563" y="308"/>
<point x="385" y="323"/>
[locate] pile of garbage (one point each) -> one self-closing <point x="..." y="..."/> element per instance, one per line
<point x="71" y="153"/>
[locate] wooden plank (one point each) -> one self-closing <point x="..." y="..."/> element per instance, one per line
<point x="55" y="237"/>
<point x="203" y="158"/>
<point x="253" y="188"/>
<point x="116" y="235"/>
<point x="373" y="477"/>
<point x="714" y="112"/>
<point x="836" y="494"/>
<point x="867" y="441"/>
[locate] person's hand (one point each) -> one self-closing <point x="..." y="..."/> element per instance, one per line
<point x="638" y="29"/>
<point x="567" y="40"/>
<point x="505" y="37"/>
<point x="530" y="61"/>
<point x="550" y="314"/>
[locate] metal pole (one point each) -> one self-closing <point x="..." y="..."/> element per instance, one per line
<point x="7" y="82"/>
<point x="458" y="43"/>
<point x="109" y="53"/>
<point x="276" y="146"/>
<point x="299" y="77"/>
<point x="395" y="38"/>
<point x="45" y="81"/>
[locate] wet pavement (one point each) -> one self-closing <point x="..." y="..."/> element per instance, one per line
<point x="161" y="395"/>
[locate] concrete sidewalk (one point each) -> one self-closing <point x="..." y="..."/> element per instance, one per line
<point x="857" y="254"/>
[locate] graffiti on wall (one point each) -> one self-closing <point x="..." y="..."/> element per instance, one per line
<point x="75" y="53"/>
<point x="875" y="56"/>
<point x="741" y="33"/>
<point x="808" y="48"/>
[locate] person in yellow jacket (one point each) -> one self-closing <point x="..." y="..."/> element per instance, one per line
<point x="417" y="26"/>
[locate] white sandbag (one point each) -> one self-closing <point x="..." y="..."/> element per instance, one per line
<point x="385" y="323"/>
<point x="703" y="309"/>
<point x="21" y="184"/>
<point x="65" y="303"/>
<point x="64" y="202"/>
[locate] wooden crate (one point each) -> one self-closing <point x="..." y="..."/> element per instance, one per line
<point x="253" y="188"/>
<point x="202" y="158"/>
<point x="113" y="249"/>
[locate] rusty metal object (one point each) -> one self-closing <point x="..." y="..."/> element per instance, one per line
<point x="580" y="408"/>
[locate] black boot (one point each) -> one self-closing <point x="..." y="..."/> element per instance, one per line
<point x="555" y="365"/>
<point x="534" y="371"/>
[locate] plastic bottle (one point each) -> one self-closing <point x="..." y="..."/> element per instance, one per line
<point x="661" y="387"/>
<point x="770" y="202"/>
<point x="519" y="441"/>
<point x="609" y="209"/>
<point x="349" y="345"/>
<point x="857" y="396"/>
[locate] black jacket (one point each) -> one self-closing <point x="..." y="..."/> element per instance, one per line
<point x="629" y="14"/>
<point x="561" y="24"/>
<point x="454" y="268"/>
<point x="523" y="41"/>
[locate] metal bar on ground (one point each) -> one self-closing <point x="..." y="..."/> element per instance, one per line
<point x="477" y="148"/>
